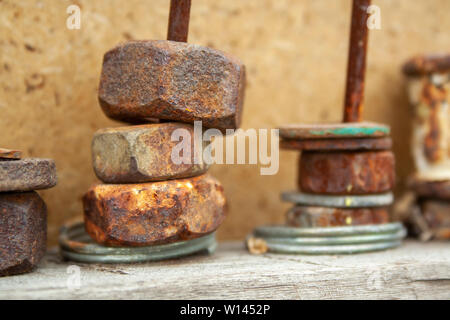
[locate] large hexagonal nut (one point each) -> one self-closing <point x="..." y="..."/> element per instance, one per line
<point x="147" y="153"/>
<point x="154" y="213"/>
<point x="173" y="81"/>
<point x="23" y="232"/>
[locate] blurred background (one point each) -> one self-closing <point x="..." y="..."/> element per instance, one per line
<point x="295" y="52"/>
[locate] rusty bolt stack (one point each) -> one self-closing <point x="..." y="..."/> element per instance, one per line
<point x="156" y="191"/>
<point x="23" y="214"/>
<point x="429" y="91"/>
<point x="346" y="175"/>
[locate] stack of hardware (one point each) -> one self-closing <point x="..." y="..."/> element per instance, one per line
<point x="346" y="175"/>
<point x="429" y="93"/>
<point x="156" y="192"/>
<point x="23" y="214"/>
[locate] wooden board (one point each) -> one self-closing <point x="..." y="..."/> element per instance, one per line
<point x="414" y="271"/>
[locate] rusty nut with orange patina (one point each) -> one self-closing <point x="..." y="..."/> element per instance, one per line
<point x="173" y="81"/>
<point x="154" y="213"/>
<point x="147" y="153"/>
<point x="347" y="172"/>
<point x="310" y="217"/>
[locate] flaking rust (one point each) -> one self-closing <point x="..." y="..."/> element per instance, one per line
<point x="146" y="153"/>
<point x="305" y="216"/>
<point x="347" y="172"/>
<point x="172" y="81"/>
<point x="23" y="232"/>
<point x="154" y="213"/>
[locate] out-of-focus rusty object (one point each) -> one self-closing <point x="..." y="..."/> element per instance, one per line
<point x="334" y="131"/>
<point x="437" y="215"/>
<point x="423" y="65"/>
<point x="10" y="154"/>
<point x="179" y="20"/>
<point x="147" y="153"/>
<point x="430" y="96"/>
<point x="304" y="216"/>
<point x="27" y="174"/>
<point x="23" y="232"/>
<point x="337" y="144"/>
<point x="356" y="65"/>
<point x="434" y="189"/>
<point x="154" y="213"/>
<point x="172" y="81"/>
<point x="347" y="172"/>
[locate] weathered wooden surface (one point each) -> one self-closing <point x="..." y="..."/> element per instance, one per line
<point x="414" y="271"/>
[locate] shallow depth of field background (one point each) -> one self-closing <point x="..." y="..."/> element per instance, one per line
<point x="295" y="52"/>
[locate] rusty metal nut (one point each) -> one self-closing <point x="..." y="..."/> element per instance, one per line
<point x="154" y="213"/>
<point x="337" y="144"/>
<point x="334" y="131"/>
<point x="27" y="174"/>
<point x="305" y="216"/>
<point x="23" y="232"/>
<point x="347" y="172"/>
<point x="437" y="215"/>
<point x="423" y="65"/>
<point x="173" y="81"/>
<point x="146" y="153"/>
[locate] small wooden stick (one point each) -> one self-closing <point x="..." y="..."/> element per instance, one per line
<point x="354" y="92"/>
<point x="179" y="20"/>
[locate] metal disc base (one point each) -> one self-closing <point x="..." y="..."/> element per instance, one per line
<point x="75" y="244"/>
<point x="330" y="240"/>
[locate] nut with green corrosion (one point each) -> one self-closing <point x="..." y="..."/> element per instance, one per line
<point x="347" y="172"/>
<point x="345" y="144"/>
<point x="172" y="81"/>
<point x="307" y="216"/>
<point x="23" y="232"/>
<point x="154" y="213"/>
<point x="147" y="153"/>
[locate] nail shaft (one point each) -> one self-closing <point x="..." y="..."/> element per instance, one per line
<point x="354" y="92"/>
<point x="179" y="20"/>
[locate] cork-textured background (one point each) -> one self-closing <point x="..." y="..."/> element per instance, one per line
<point x="295" y="52"/>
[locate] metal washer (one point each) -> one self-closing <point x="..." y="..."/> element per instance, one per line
<point x="75" y="244"/>
<point x="331" y="240"/>
<point x="345" y="201"/>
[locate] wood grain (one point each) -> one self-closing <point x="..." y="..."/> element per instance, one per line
<point x="414" y="271"/>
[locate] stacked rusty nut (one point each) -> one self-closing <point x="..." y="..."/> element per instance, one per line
<point x="156" y="189"/>
<point x="23" y="213"/>
<point x="429" y="94"/>
<point x="346" y="176"/>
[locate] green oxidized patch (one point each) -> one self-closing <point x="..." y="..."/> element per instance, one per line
<point x="351" y="131"/>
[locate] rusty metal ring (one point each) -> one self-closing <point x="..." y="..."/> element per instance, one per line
<point x="75" y="244"/>
<point x="347" y="201"/>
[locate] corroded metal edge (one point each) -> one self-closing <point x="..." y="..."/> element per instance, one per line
<point x="282" y="231"/>
<point x="75" y="244"/>
<point x="344" y="201"/>
<point x="331" y="240"/>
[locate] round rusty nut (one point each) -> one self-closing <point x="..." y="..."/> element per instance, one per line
<point x="434" y="189"/>
<point x="345" y="144"/>
<point x="334" y="130"/>
<point x="23" y="232"/>
<point x="437" y="215"/>
<point x="347" y="172"/>
<point x="306" y="216"/>
<point x="147" y="153"/>
<point x="174" y="81"/>
<point x="27" y="174"/>
<point x="154" y="213"/>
